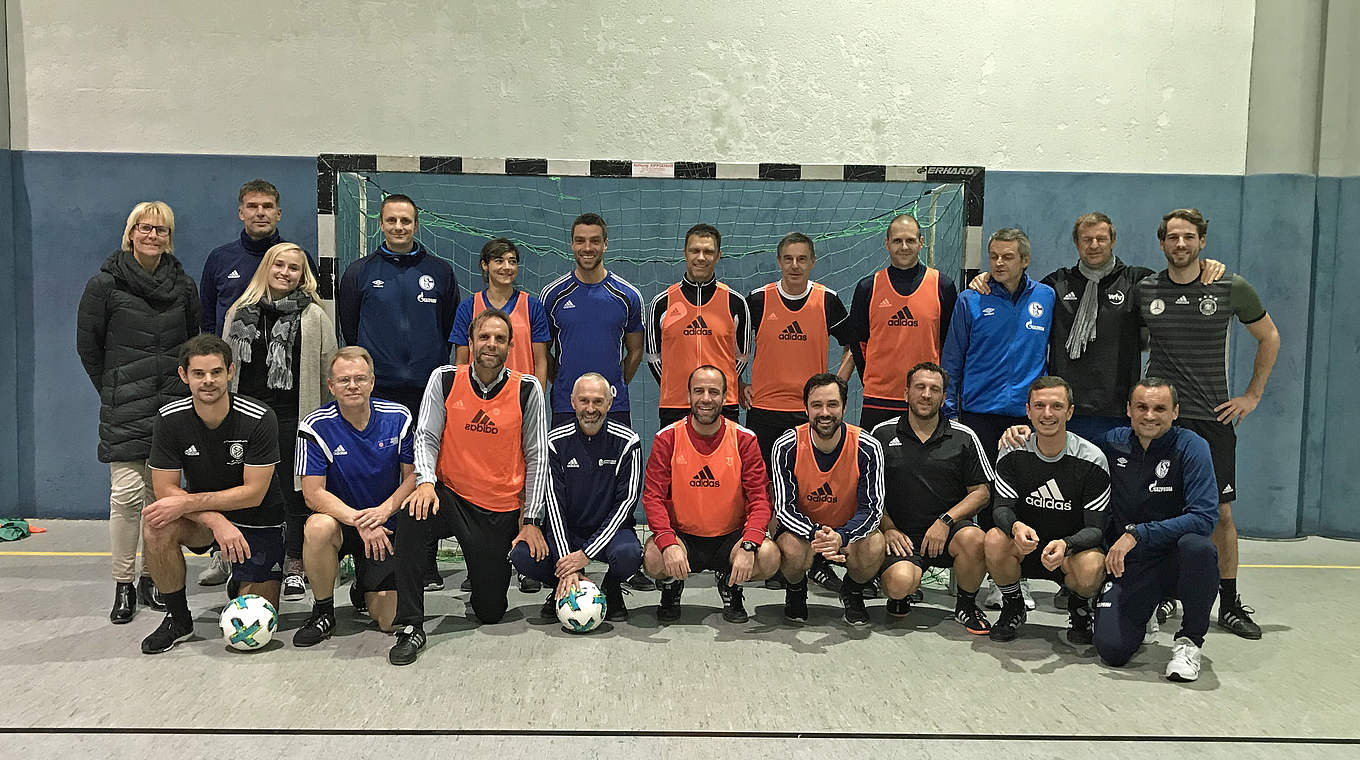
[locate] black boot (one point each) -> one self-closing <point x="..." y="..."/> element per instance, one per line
<point x="148" y="595"/>
<point x="124" y="603"/>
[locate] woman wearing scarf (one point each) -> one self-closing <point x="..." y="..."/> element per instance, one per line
<point x="132" y="318"/>
<point x="282" y="339"/>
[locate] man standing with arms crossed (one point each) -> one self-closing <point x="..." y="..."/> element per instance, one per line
<point x="828" y="491"/>
<point x="899" y="317"/>
<point x="694" y="322"/>
<point x="1188" y="327"/>
<point x="481" y="468"/>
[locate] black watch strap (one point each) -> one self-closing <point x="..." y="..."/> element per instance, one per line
<point x="749" y="546"/>
<point x="537" y="522"/>
<point x="946" y="519"/>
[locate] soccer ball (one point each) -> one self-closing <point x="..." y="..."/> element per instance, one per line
<point x="581" y="609"/>
<point x="248" y="622"/>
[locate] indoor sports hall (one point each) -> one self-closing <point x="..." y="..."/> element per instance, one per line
<point x="511" y="120"/>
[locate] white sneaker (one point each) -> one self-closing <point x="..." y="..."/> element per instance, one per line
<point x="217" y="572"/>
<point x="1024" y="591"/>
<point x="1150" y="635"/>
<point x="1184" y="665"/>
<point x="991" y="597"/>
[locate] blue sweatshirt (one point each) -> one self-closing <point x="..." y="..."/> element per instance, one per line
<point x="596" y="486"/>
<point x="226" y="274"/>
<point x="400" y="307"/>
<point x="1165" y="492"/>
<point x="997" y="345"/>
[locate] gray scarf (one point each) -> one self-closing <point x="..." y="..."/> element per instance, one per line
<point x="245" y="329"/>
<point x="1084" y="326"/>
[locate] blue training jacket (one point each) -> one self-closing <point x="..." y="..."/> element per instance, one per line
<point x="1167" y="491"/>
<point x="997" y="345"/>
<point x="400" y="307"/>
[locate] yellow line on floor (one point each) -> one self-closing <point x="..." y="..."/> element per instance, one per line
<point x="1306" y="567"/>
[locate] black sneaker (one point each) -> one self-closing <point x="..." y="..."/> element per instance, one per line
<point x="1237" y="619"/>
<point x="530" y="585"/>
<point x="824" y="575"/>
<point x="724" y="588"/>
<point x="917" y="596"/>
<point x="465" y="586"/>
<point x="1060" y="599"/>
<point x="317" y="629"/>
<point x="1165" y="609"/>
<point x="1079" y="627"/>
<point x="410" y="640"/>
<point x="124" y="604"/>
<point x="148" y="595"/>
<point x="640" y="582"/>
<point x="615" y="610"/>
<point x="434" y="581"/>
<point x="872" y="590"/>
<point x="549" y="608"/>
<point x="668" y="611"/>
<point x="899" y="607"/>
<point x="357" y="599"/>
<point x="294" y="588"/>
<point x="795" y="601"/>
<point x="733" y="609"/>
<point x="1008" y="625"/>
<point x="853" y="602"/>
<point x="166" y="636"/>
<point x="972" y="620"/>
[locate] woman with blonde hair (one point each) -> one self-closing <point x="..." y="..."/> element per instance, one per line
<point x="133" y="316"/>
<point x="282" y="338"/>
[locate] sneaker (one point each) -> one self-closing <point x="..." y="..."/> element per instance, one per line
<point x="1024" y="592"/>
<point x="795" y="601"/>
<point x="872" y="590"/>
<point x="357" y="599"/>
<point x="640" y="582"/>
<point x="899" y="607"/>
<point x="410" y="640"/>
<point x="1008" y="625"/>
<point x="853" y="603"/>
<point x="549" y="608"/>
<point x="166" y="636"/>
<point x="1061" y="598"/>
<point x="317" y="629"/>
<point x="294" y="588"/>
<point x="668" y="611"/>
<point x="724" y="588"/>
<point x="916" y="597"/>
<point x="435" y="582"/>
<point x="465" y="586"/>
<point x="148" y="595"/>
<point x="1150" y="633"/>
<point x="1166" y="609"/>
<point x="1079" y="627"/>
<point x="124" y="603"/>
<point x="991" y="598"/>
<point x="615" y="611"/>
<point x="217" y="572"/>
<point x="733" y="609"/>
<point x="824" y="575"/>
<point x="529" y="585"/>
<point x="1236" y="619"/>
<point x="973" y="621"/>
<point x="1184" y="664"/>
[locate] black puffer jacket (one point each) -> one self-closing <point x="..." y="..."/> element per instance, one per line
<point x="128" y="332"/>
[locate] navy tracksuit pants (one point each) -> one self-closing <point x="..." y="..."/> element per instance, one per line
<point x="623" y="555"/>
<point x="1187" y="571"/>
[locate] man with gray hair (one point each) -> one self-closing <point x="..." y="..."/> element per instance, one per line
<point x="595" y="468"/>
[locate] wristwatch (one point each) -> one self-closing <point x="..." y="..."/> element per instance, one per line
<point x="749" y="546"/>
<point x="1132" y="530"/>
<point x="946" y="519"/>
<point x="537" y="522"/>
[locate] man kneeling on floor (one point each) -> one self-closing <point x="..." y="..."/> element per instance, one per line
<point x="225" y="447"/>
<point x="357" y="467"/>
<point x="595" y="465"/>
<point x="828" y="492"/>
<point x="1052" y="494"/>
<point x="706" y="504"/>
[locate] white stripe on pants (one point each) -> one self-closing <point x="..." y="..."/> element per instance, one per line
<point x="129" y="491"/>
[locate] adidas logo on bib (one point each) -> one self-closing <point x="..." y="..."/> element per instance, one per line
<point x="698" y="327"/>
<point x="902" y="318"/>
<point x="704" y="479"/>
<point x="481" y="423"/>
<point x="823" y="494"/>
<point x="793" y="332"/>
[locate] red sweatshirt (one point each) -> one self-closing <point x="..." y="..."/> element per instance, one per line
<point x="656" y="493"/>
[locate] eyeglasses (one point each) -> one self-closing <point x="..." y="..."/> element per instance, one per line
<point x="352" y="380"/>
<point x="147" y="229"/>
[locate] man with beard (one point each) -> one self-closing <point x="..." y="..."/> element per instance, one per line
<point x="705" y="498"/>
<point x="828" y="492"/>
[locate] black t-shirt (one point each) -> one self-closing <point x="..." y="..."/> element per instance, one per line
<point x="253" y="375"/>
<point x="215" y="460"/>
<point x="923" y="480"/>
<point x="1059" y="497"/>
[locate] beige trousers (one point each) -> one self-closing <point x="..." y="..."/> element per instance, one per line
<point x="129" y="491"/>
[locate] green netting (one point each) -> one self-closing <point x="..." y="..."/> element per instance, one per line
<point x="647" y="220"/>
